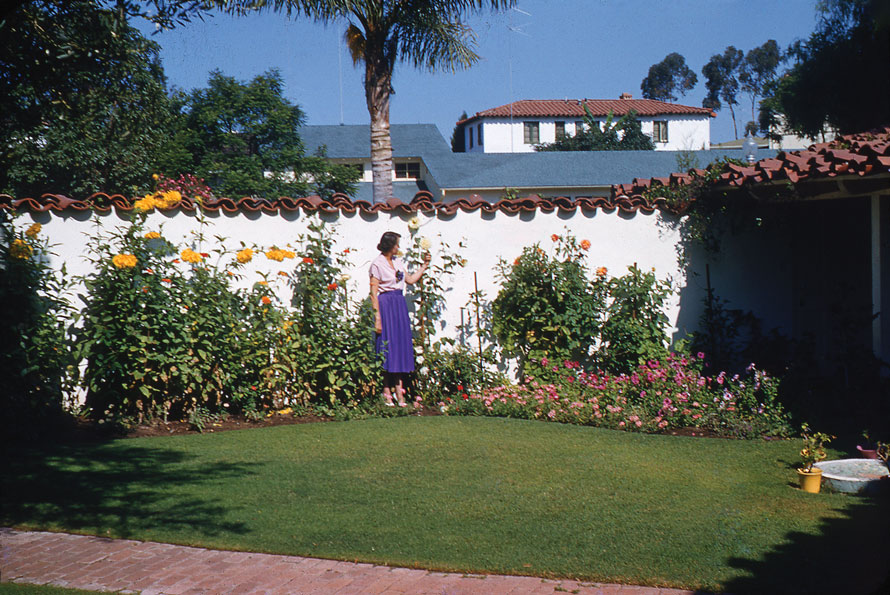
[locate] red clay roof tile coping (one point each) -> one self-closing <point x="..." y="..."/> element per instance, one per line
<point x="422" y="202"/>
<point x="854" y="155"/>
<point x="573" y="108"/>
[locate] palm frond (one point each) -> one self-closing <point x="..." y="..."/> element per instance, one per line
<point x="355" y="41"/>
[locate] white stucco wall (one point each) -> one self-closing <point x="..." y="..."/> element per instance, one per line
<point x="617" y="241"/>
<point x="692" y="132"/>
<point x="685" y="133"/>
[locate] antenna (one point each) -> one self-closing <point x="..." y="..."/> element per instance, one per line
<point x="340" y="72"/>
<point x="513" y="29"/>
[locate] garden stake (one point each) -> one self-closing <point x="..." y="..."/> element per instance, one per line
<point x="478" y="333"/>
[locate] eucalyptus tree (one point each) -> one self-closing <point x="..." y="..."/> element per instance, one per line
<point x="722" y="81"/>
<point x="758" y="70"/>
<point x="668" y="78"/>
<point x="835" y="79"/>
<point x="427" y="34"/>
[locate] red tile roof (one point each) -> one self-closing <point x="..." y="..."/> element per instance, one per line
<point x="423" y="201"/>
<point x="573" y="108"/>
<point x="859" y="158"/>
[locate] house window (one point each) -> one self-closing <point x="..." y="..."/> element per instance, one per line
<point x="531" y="133"/>
<point x="660" y="131"/>
<point x="560" y="130"/>
<point x="470" y="131"/>
<point x="358" y="167"/>
<point x="479" y="134"/>
<point x="579" y="126"/>
<point x="408" y="170"/>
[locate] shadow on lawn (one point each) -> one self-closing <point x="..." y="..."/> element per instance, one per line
<point x="849" y="555"/>
<point x="112" y="488"/>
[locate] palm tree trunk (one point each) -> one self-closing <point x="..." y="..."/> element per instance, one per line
<point x="378" y="82"/>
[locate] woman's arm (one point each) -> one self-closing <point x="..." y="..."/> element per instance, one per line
<point x="375" y="303"/>
<point x="416" y="275"/>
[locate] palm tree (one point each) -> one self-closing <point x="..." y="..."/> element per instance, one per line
<point x="428" y="34"/>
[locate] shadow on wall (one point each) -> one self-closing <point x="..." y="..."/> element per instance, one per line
<point x="849" y="555"/>
<point x="111" y="489"/>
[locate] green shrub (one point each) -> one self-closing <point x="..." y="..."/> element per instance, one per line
<point x="34" y="324"/>
<point x="635" y="326"/>
<point x="547" y="305"/>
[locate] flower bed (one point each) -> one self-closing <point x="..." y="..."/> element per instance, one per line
<point x="657" y="396"/>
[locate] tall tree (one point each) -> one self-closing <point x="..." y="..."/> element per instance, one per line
<point x="625" y="134"/>
<point x="83" y="106"/>
<point x="669" y="78"/>
<point x="428" y="34"/>
<point x="758" y="70"/>
<point x="458" y="143"/>
<point x="722" y="81"/>
<point x="839" y="77"/>
<point x="243" y="138"/>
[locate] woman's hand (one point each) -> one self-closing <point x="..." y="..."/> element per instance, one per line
<point x="378" y="325"/>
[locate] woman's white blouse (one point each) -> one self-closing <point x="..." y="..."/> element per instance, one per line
<point x="389" y="279"/>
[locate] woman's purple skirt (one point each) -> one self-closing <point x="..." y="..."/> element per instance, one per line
<point x="395" y="340"/>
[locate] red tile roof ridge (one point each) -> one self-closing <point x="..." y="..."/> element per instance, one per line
<point x="422" y="202"/>
<point x="860" y="154"/>
<point x="598" y="107"/>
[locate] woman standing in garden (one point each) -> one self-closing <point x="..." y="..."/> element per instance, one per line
<point x="388" y="277"/>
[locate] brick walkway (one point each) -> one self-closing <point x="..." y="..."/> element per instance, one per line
<point x="127" y="566"/>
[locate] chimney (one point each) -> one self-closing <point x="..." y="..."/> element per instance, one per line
<point x="625" y="96"/>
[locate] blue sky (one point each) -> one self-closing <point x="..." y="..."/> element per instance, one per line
<point x="559" y="49"/>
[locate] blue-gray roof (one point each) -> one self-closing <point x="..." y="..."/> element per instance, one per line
<point x="354" y="141"/>
<point x="561" y="169"/>
<point x="505" y="170"/>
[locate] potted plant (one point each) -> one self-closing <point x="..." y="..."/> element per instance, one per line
<point x="812" y="452"/>
<point x="868" y="449"/>
<point x="882" y="451"/>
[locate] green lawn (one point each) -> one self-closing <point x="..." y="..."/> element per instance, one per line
<point x="469" y="494"/>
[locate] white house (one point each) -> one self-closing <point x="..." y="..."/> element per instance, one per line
<point x="517" y="127"/>
<point x="423" y="162"/>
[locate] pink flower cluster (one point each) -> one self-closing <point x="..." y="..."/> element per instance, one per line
<point x="657" y="396"/>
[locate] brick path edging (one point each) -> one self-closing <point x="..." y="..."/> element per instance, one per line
<point x="127" y="566"/>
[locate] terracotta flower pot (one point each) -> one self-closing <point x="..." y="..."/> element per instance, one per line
<point x="867" y="453"/>
<point x="810" y="481"/>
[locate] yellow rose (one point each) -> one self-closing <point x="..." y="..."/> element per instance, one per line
<point x="21" y="249"/>
<point x="124" y="261"/>
<point x="152" y="235"/>
<point x="425" y="243"/>
<point x="191" y="256"/>
<point x="244" y="256"/>
<point x="171" y="198"/>
<point x="414" y="223"/>
<point x="33" y="230"/>
<point x="275" y="254"/>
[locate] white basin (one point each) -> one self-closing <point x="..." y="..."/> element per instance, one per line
<point x="856" y="476"/>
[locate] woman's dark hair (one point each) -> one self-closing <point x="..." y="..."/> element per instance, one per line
<point x="387" y="241"/>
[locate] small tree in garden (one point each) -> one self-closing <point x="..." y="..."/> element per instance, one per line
<point x="547" y="305"/>
<point x="634" y="330"/>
